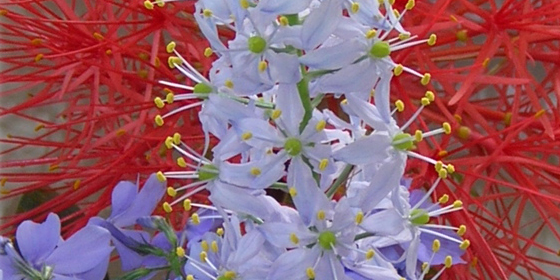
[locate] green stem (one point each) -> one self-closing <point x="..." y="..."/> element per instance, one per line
<point x="340" y="180"/>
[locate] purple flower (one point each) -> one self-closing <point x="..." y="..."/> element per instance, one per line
<point x="43" y="254"/>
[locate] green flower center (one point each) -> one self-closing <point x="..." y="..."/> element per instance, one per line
<point x="256" y="44"/>
<point x="293" y="146"/>
<point x="202" y="90"/>
<point x="380" y="50"/>
<point x="327" y="239"/>
<point x="224" y="278"/>
<point x="419" y="217"/>
<point x="207" y="172"/>
<point x="403" y="141"/>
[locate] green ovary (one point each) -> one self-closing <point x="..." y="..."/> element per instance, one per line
<point x="398" y="142"/>
<point x="256" y="44"/>
<point x="202" y="90"/>
<point x="380" y="50"/>
<point x="207" y="172"/>
<point x="421" y="217"/>
<point x="293" y="146"/>
<point x="326" y="240"/>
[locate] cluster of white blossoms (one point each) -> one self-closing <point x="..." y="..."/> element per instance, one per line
<point x="260" y="102"/>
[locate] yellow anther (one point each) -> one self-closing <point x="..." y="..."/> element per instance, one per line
<point x="3" y="12"/>
<point x="507" y="118"/>
<point x="432" y="40"/>
<point x="425" y="101"/>
<point x="167" y="90"/>
<point x="372" y="93"/>
<point x="443" y="199"/>
<point x="457" y="204"/>
<point x="448" y="261"/>
<point x="323" y="164"/>
<point x="208" y="52"/>
<point x="410" y="4"/>
<point x="142" y="73"/>
<point x="430" y="95"/>
<point x="170" y="47"/>
<point x="294" y="238"/>
<point x="244" y="4"/>
<point x="425" y="266"/>
<point x="400" y="105"/>
<point x="426" y="79"/>
<point x="195" y="219"/>
<point x="214" y="246"/>
<point x="190" y="277"/>
<point x="169" y="142"/>
<point x="36" y="42"/>
<point x="255" y="171"/>
<point x="220" y="232"/>
<point x="474" y="262"/>
<point x="148" y="5"/>
<point x="275" y="114"/>
<point x="159" y="103"/>
<point x="465" y="244"/>
<point x="320" y="125"/>
<point x="230" y="274"/>
<point x="392" y="2"/>
<point x="540" y="113"/>
<point x="371" y="33"/>
<point x="436" y="245"/>
<point x="246" y="136"/>
<point x="3" y="182"/>
<point x="355" y="7"/>
<point x="180" y="252"/>
<point x="176" y="138"/>
<point x="464" y="132"/>
<point x="453" y="18"/>
<point x="171" y="192"/>
<point x="283" y="21"/>
<point x="292" y="191"/>
<point x="75" y="186"/>
<point x="228" y="83"/>
<point x="143" y="56"/>
<point x="204" y="245"/>
<point x="39" y="127"/>
<point x="462" y="35"/>
<point x="398" y="70"/>
<point x="98" y="36"/>
<point x="369" y="254"/>
<point x="39" y="57"/>
<point x="462" y="230"/>
<point x="262" y="65"/>
<point x="485" y="62"/>
<point x="187" y="205"/>
<point x="344" y="101"/>
<point x="442" y="153"/>
<point x="159" y="120"/>
<point x="172" y="61"/>
<point x="418" y="135"/>
<point x="404" y="36"/>
<point x="53" y="167"/>
<point x="446" y="128"/>
<point x="169" y="98"/>
<point x="160" y="3"/>
<point x="359" y="217"/>
<point x="160" y="176"/>
<point x="167" y="207"/>
<point x="109" y="52"/>
<point x="207" y="12"/>
<point x="320" y="215"/>
<point x="438" y="166"/>
<point x="442" y="173"/>
<point x="203" y="255"/>
<point x="310" y="273"/>
<point x="450" y="168"/>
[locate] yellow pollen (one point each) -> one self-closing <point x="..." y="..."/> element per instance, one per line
<point x="355" y="7"/>
<point x="171" y="192"/>
<point x="443" y="199"/>
<point x="323" y="164"/>
<point x="392" y="2"/>
<point x="430" y="95"/>
<point x="169" y="98"/>
<point x="98" y="36"/>
<point x="410" y="4"/>
<point x="53" y="167"/>
<point x="39" y="127"/>
<point x="228" y="83"/>
<point x="36" y="42"/>
<point x="176" y="138"/>
<point x="203" y="256"/>
<point x="485" y="62"/>
<point x="159" y="103"/>
<point x="169" y="142"/>
<point x="4" y="191"/>
<point x="294" y="238"/>
<point x="398" y="70"/>
<point x="474" y="262"/>
<point x="396" y="13"/>
<point x="446" y="128"/>
<point x="442" y="173"/>
<point x="187" y="205"/>
<point x="404" y="36"/>
<point x="457" y="204"/>
<point x="369" y="254"/>
<point x="208" y="52"/>
<point x="170" y="47"/>
<point x="292" y="192"/>
<point x="255" y="171"/>
<point x="167" y="207"/>
<point x="372" y="93"/>
<point x="160" y="3"/>
<point x="157" y="62"/>
<point x="540" y="113"/>
<point x="207" y="12"/>
<point x="465" y="244"/>
<point x="450" y="168"/>
<point x="230" y="274"/>
<point x="448" y="261"/>
<point x="246" y="136"/>
<point x="204" y="245"/>
<point x="442" y="153"/>
<point x="244" y="4"/>
<point x="418" y="136"/>
<point x="159" y="120"/>
<point x="190" y="277"/>
<point x="464" y="132"/>
<point x="320" y="215"/>
<point x="320" y="125"/>
<point x="425" y="101"/>
<point x="214" y="246"/>
<point x="39" y="57"/>
<point x="310" y="273"/>
<point x="425" y="266"/>
<point x="109" y="52"/>
<point x="400" y="105"/>
<point x="462" y="230"/>
<point x="262" y="66"/>
<point x="507" y="118"/>
<point x="195" y="219"/>
<point x="438" y="166"/>
<point x="436" y="245"/>
<point x="462" y="35"/>
<point x="220" y="231"/>
<point x="426" y="79"/>
<point x="344" y="101"/>
<point x="160" y="176"/>
<point x="453" y="18"/>
<point x="359" y="217"/>
<point x="180" y="252"/>
<point x="75" y="186"/>
<point x="275" y="114"/>
<point x="172" y="61"/>
<point x="142" y="73"/>
<point x="371" y="33"/>
<point x="283" y="21"/>
<point x="432" y="40"/>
